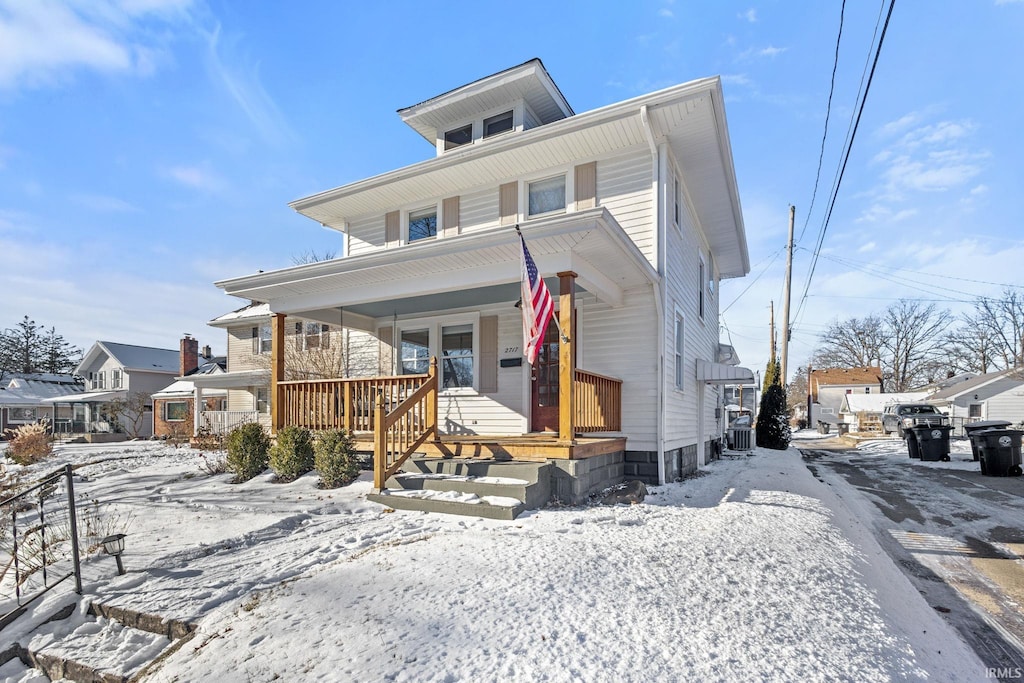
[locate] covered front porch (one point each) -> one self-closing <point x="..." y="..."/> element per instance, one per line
<point x="436" y="313"/>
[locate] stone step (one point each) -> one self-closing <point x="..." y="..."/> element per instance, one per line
<point x="512" y="469"/>
<point x="532" y="494"/>
<point x="110" y="645"/>
<point x="450" y="503"/>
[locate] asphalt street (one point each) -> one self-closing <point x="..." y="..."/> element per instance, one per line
<point x="956" y="534"/>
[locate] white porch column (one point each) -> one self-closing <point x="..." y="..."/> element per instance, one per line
<point x="197" y="408"/>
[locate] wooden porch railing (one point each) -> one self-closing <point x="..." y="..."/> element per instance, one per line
<point x="343" y="403"/>
<point x="598" y="402"/>
<point x="399" y="432"/>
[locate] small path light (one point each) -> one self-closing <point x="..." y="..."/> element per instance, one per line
<point x="114" y="545"/>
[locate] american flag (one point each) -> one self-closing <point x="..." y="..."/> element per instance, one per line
<point x="538" y="307"/>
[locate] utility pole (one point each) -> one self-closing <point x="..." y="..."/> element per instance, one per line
<point x="771" y="328"/>
<point x="809" y="396"/>
<point x="785" y="303"/>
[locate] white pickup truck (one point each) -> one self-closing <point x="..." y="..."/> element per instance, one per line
<point x="901" y="416"/>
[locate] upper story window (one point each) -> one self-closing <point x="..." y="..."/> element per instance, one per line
<point x="494" y="125"/>
<point x="676" y="194"/>
<point x="261" y="339"/>
<point x="100" y="381"/>
<point x="546" y="196"/>
<point x="458" y="137"/>
<point x="312" y="336"/>
<point x="702" y="278"/>
<point x="422" y="224"/>
<point x="115" y="379"/>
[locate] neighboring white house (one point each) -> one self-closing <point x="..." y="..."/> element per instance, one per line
<point x="869" y="407"/>
<point x="992" y="396"/>
<point x="113" y="371"/>
<point x="633" y="207"/>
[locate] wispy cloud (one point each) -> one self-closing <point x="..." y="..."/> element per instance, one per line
<point x="199" y="177"/>
<point x="665" y="12"/>
<point x="750" y="15"/>
<point x="45" y="42"/>
<point x="736" y="79"/>
<point x="102" y="203"/>
<point x="240" y="78"/>
<point x="770" y="52"/>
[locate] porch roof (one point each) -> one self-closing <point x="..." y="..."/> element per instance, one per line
<point x="474" y="268"/>
<point x="231" y="380"/>
<point x="88" y="397"/>
<point x="719" y="373"/>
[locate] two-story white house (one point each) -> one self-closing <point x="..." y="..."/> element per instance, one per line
<point x="632" y="214"/>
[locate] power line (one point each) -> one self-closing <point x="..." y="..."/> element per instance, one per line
<point x="846" y="155"/>
<point x="849" y="261"/>
<point x="828" y="115"/>
<point x="774" y="256"/>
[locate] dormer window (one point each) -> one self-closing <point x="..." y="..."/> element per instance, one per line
<point x="495" y="125"/>
<point x="458" y="137"/>
<point x="422" y="224"/>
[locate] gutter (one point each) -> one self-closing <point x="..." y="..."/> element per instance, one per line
<point x="658" y="287"/>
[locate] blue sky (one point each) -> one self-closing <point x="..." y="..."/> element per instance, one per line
<point x="150" y="147"/>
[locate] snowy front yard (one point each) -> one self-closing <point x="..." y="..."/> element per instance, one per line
<point x="753" y="570"/>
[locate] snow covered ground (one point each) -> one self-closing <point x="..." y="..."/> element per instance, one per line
<point x="753" y="570"/>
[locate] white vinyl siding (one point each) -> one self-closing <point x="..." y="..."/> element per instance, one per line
<point x="624" y="188"/>
<point x="366" y="234"/>
<point x="478" y="210"/>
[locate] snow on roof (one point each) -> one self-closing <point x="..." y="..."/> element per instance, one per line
<point x="841" y="376"/>
<point x="874" y="403"/>
<point x="21" y="391"/>
<point x="976" y="382"/>
<point x="250" y="312"/>
<point x="184" y="387"/>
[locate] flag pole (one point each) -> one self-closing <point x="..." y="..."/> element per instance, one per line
<point x="554" y="318"/>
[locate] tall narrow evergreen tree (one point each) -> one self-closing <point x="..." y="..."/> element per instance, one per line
<point x="772" y="421"/>
<point x="28" y="347"/>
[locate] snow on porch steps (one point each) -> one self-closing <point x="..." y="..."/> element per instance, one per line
<point x="477" y="488"/>
<point x="450" y="502"/>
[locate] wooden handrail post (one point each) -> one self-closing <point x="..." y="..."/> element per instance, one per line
<point x="277" y="342"/>
<point x="432" y="398"/>
<point x="380" y="448"/>
<point x="566" y="356"/>
<point x="347" y="406"/>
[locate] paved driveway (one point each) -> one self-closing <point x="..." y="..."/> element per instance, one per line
<point x="958" y="535"/>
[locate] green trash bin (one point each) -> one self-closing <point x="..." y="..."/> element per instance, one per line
<point x="1000" y="452"/>
<point x="933" y="442"/>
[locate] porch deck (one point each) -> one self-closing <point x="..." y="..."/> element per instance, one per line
<point x="528" y="447"/>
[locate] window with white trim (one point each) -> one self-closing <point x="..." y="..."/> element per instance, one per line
<point x="546" y="196"/>
<point x="676" y="194"/>
<point x="422" y="224"/>
<point x="261" y="400"/>
<point x="101" y="380"/>
<point x="115" y="379"/>
<point x="679" y="350"/>
<point x="498" y="124"/>
<point x="312" y="335"/>
<point x="175" y="411"/>
<point x="453" y="341"/>
<point x="262" y="339"/>
<point x="458" y="137"/>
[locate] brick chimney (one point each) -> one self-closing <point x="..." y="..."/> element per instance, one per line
<point x="207" y="352"/>
<point x="189" y="355"/>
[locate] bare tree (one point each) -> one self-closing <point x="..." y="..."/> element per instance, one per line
<point x="970" y="347"/>
<point x="304" y="360"/>
<point x="130" y="412"/>
<point x="312" y="256"/>
<point x="912" y="333"/>
<point x="1003" y="320"/>
<point x="853" y="343"/>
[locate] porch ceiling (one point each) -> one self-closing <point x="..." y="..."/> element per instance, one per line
<point x="232" y="380"/>
<point x="468" y="270"/>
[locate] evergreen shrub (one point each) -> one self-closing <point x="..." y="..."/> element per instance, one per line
<point x="335" y="459"/>
<point x="247" y="446"/>
<point x="291" y="456"/>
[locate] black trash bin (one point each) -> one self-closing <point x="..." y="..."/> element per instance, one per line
<point x="1000" y="452"/>
<point x="933" y="442"/>
<point x="912" y="446"/>
<point x="975" y="427"/>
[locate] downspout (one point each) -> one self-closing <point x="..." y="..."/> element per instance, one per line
<point x="658" y="287"/>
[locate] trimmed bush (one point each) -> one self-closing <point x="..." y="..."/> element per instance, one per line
<point x="247" y="446"/>
<point x="772" y="421"/>
<point x="335" y="459"/>
<point x="29" y="443"/>
<point x="291" y="456"/>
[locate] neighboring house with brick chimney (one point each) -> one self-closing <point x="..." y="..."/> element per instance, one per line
<point x="829" y="386"/>
<point x="174" y="406"/>
<point x="115" y="371"/>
